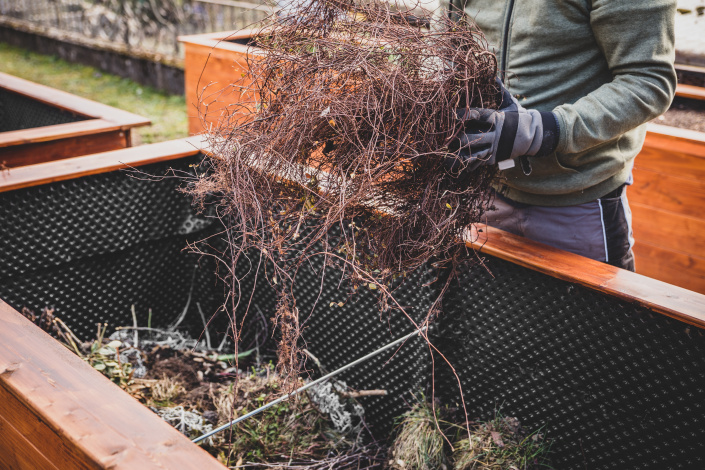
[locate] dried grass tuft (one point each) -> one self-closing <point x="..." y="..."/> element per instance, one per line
<point x="166" y="390"/>
<point x="419" y="443"/>
<point x="501" y="444"/>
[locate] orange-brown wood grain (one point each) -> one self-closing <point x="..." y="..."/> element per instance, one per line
<point x="668" y="206"/>
<point x="28" y="424"/>
<point x="59" y="170"/>
<point x="670" y="230"/>
<point x="690" y="91"/>
<point x="17" y="453"/>
<point x="684" y="196"/>
<point x="75" y="417"/>
<point x="682" y="304"/>
<point x="658" y="262"/>
<point x="46" y="151"/>
<point x="214" y="78"/>
<point x="670" y="162"/>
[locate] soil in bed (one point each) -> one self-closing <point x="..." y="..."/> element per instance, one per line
<point x="684" y="114"/>
<point x="198" y="390"/>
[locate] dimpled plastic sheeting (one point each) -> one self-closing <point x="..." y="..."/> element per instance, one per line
<point x="19" y="112"/>
<point x="94" y="246"/>
<point x="615" y="385"/>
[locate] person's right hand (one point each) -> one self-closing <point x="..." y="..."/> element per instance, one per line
<point x="492" y="136"/>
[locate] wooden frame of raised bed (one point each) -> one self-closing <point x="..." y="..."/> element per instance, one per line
<point x="667" y="200"/>
<point x="213" y="64"/>
<point x="85" y="127"/>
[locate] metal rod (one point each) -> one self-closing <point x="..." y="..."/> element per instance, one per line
<point x="309" y="385"/>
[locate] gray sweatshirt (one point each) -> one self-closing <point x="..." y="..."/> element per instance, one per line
<point x="604" y="67"/>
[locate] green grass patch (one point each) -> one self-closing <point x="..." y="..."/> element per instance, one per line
<point x="167" y="112"/>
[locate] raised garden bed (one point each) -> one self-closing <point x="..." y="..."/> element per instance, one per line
<point x="609" y="362"/>
<point x="38" y="123"/>
<point x="90" y="240"/>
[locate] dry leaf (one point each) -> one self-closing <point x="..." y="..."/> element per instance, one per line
<point x="497" y="438"/>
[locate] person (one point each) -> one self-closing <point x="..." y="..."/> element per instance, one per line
<point x="585" y="76"/>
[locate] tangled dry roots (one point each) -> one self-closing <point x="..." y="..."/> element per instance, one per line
<point x="347" y="115"/>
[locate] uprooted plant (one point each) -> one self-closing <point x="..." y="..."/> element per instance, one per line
<point x="347" y="120"/>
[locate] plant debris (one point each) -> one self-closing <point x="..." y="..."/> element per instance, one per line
<point x="419" y="443"/>
<point x="347" y="121"/>
<point x="422" y="442"/>
<point x="501" y="444"/>
<point x="196" y="390"/>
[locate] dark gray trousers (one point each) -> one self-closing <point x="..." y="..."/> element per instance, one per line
<point x="599" y="229"/>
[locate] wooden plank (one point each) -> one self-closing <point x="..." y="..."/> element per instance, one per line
<point x="31" y="428"/>
<point x="685" y="165"/>
<point x="72" y="103"/>
<point x="669" y="230"/>
<point x="213" y="76"/>
<point x="98" y="424"/>
<point x="40" y="152"/>
<point x="221" y="40"/>
<point x="690" y="91"/>
<point x="682" y="304"/>
<point x="675" y="140"/>
<point x="55" y="132"/>
<point x="213" y="81"/>
<point x="670" y="266"/>
<point x="42" y="173"/>
<point x="17" y="453"/>
<point x="684" y="196"/>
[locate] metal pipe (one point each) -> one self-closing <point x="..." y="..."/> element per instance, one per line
<point x="309" y="385"/>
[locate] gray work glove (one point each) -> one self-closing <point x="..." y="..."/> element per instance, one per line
<point x="493" y="136"/>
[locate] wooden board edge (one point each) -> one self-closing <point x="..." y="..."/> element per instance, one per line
<point x="56" y="132"/>
<point x="76" y="167"/>
<point x="70" y="102"/>
<point x="219" y="35"/>
<point x="659" y="131"/>
<point x="660" y="297"/>
<point x="83" y="408"/>
<point x="690" y="91"/>
<point x="220" y="40"/>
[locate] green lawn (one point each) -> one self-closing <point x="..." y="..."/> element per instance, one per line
<point x="167" y="112"/>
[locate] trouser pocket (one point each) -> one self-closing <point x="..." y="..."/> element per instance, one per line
<point x="617" y="223"/>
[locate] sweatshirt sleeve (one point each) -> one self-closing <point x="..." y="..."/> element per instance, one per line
<point x="637" y="39"/>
